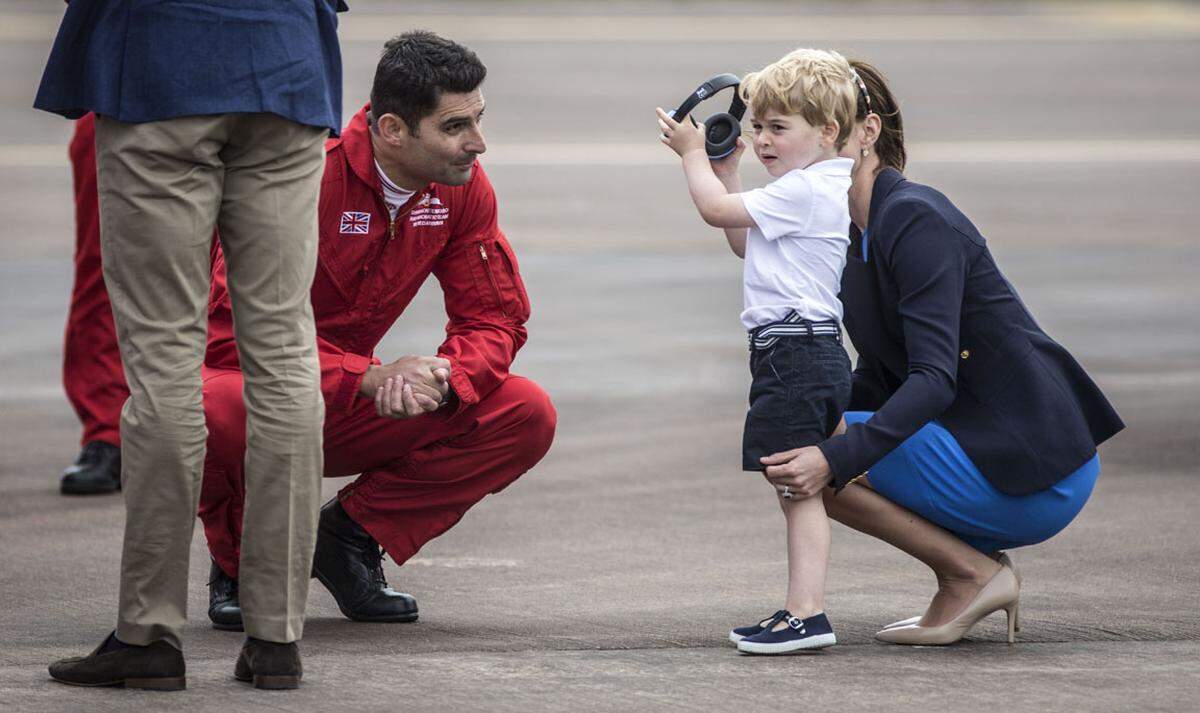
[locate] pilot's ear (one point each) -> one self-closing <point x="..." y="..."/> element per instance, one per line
<point x="391" y="129"/>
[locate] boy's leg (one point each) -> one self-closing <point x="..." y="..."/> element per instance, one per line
<point x="800" y="388"/>
<point x="808" y="555"/>
<point x="268" y="227"/>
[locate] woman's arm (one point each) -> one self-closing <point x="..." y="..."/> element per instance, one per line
<point x="928" y="259"/>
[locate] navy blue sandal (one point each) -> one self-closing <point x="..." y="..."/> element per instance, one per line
<point x="815" y="632"/>
<point x="743" y="631"/>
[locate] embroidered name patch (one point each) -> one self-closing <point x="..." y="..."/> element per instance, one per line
<point x="355" y="223"/>
<point x="428" y="212"/>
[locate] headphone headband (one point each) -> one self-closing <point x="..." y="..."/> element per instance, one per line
<point x="709" y="88"/>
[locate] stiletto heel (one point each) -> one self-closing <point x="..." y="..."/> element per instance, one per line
<point x="1002" y="591"/>
<point x="1005" y="560"/>
<point x="1012" y="622"/>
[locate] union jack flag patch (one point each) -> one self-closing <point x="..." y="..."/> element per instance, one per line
<point x="355" y="223"/>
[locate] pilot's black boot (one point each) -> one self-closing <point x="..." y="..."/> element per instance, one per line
<point x="96" y="470"/>
<point x="349" y="562"/>
<point x="224" y="608"/>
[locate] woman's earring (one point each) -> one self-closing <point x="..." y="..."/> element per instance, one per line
<point x="865" y="152"/>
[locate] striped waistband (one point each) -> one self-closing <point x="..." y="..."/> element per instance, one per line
<point x="765" y="336"/>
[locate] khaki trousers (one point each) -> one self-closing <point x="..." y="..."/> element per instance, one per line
<point x="163" y="187"/>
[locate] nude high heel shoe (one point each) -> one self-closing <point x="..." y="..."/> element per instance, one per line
<point x="1003" y="559"/>
<point x="1001" y="592"/>
<point x="1007" y="562"/>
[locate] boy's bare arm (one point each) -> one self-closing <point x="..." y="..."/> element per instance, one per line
<point x="717" y="206"/>
<point x="726" y="170"/>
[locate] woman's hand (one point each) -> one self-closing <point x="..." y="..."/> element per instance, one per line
<point x="801" y="472"/>
<point x="681" y="138"/>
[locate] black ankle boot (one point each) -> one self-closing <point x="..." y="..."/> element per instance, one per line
<point x="269" y="665"/>
<point x="96" y="470"/>
<point x="224" y="608"/>
<point x="350" y="565"/>
<point x="158" y="666"/>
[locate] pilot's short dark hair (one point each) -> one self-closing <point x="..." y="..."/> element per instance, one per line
<point x="413" y="71"/>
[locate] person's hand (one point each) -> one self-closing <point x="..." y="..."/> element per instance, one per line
<point x="682" y="138"/>
<point x="799" y="473"/>
<point x="728" y="167"/>
<point x="427" y="375"/>
<point x="396" y="399"/>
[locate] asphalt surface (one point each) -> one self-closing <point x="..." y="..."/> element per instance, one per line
<point x="607" y="577"/>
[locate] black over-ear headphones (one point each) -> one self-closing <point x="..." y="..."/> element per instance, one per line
<point x="721" y="131"/>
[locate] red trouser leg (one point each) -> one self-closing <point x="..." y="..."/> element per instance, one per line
<point x="92" y="374"/>
<point x="419" y="476"/>
<point x="427" y="474"/>
<point x="223" y="491"/>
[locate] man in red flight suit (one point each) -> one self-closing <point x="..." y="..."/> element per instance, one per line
<point x="92" y="373"/>
<point x="402" y="198"/>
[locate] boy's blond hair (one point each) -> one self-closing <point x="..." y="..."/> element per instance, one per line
<point x="816" y="84"/>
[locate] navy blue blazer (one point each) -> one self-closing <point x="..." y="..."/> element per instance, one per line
<point x="942" y="335"/>
<point x="148" y="60"/>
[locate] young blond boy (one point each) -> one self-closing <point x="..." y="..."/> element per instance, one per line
<point x="793" y="235"/>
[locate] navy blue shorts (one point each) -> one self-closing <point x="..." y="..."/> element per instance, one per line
<point x="800" y="386"/>
<point x="931" y="475"/>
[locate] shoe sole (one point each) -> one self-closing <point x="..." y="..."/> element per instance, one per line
<point x="69" y="490"/>
<point x="399" y="619"/>
<point x="820" y="641"/>
<point x="228" y="627"/>
<point x="735" y="637"/>
<point x="146" y="684"/>
<point x="272" y="683"/>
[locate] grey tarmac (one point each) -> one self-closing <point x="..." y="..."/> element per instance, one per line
<point x="607" y="578"/>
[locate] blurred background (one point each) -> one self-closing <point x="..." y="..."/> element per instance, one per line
<point x="1069" y="132"/>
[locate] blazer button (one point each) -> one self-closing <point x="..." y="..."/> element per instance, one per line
<point x="965" y="353"/>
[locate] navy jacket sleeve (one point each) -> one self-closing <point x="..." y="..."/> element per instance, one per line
<point x="928" y="259"/>
<point x="866" y="391"/>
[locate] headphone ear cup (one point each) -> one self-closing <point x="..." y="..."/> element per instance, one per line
<point x="721" y="133"/>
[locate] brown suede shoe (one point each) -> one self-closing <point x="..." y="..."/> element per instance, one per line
<point x="158" y="667"/>
<point x="269" y="665"/>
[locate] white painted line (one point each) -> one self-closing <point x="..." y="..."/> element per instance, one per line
<point x="651" y="153"/>
<point x="1143" y="20"/>
<point x="462" y="562"/>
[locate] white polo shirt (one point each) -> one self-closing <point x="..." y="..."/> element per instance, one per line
<point x="797" y="249"/>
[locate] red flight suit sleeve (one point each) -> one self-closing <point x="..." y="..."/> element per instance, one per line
<point x="485" y="297"/>
<point x="341" y="374"/>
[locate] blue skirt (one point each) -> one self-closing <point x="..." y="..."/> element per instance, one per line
<point x="930" y="475"/>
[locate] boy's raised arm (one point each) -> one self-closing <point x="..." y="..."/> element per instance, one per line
<point x="717" y="206"/>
